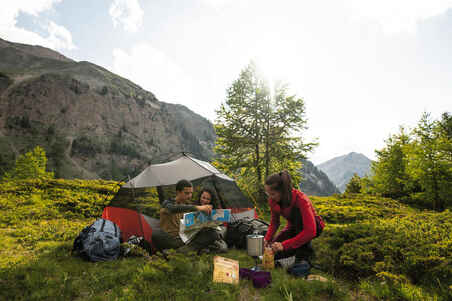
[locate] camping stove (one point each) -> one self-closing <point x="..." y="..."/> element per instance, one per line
<point x="255" y="247"/>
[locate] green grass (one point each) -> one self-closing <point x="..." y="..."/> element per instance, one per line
<point x="372" y="249"/>
<point x="53" y="273"/>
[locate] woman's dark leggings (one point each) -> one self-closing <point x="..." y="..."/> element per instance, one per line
<point x="305" y="251"/>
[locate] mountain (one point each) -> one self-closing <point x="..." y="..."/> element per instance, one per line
<point x="91" y="122"/>
<point x="315" y="181"/>
<point x="341" y="169"/>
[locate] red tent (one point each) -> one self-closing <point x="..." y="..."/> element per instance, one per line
<point x="130" y="222"/>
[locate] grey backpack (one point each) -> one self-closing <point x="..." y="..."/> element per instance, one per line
<point x="99" y="242"/>
<point x="238" y="230"/>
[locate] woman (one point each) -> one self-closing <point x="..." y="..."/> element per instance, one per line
<point x="206" y="197"/>
<point x="294" y="205"/>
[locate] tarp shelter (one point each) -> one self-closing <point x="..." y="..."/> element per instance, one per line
<point x="137" y="192"/>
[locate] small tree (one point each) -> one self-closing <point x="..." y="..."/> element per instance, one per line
<point x="389" y="171"/>
<point x="431" y="160"/>
<point x="30" y="166"/>
<point x="354" y="186"/>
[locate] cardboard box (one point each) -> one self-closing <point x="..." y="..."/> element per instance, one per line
<point x="225" y="270"/>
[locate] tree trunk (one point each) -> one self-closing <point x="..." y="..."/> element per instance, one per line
<point x="438" y="203"/>
<point x="258" y="166"/>
<point x="267" y="150"/>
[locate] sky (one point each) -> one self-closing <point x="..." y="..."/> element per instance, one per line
<point x="364" y="68"/>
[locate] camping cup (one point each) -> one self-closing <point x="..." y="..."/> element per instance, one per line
<point x="255" y="244"/>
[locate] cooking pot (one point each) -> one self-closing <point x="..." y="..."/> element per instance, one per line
<point x="255" y="244"/>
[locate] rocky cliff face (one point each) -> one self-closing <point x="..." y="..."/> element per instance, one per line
<point x="91" y="122"/>
<point x="316" y="182"/>
<point x="341" y="169"/>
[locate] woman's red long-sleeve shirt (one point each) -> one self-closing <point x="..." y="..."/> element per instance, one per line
<point x="299" y="202"/>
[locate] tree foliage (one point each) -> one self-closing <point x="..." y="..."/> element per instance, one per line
<point x="430" y="163"/>
<point x="354" y="185"/>
<point x="31" y="165"/>
<point x="259" y="130"/>
<point x="416" y="166"/>
<point x="390" y="176"/>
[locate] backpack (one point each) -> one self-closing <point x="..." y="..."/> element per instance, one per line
<point x="99" y="241"/>
<point x="238" y="230"/>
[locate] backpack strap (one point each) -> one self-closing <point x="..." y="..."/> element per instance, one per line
<point x="77" y="245"/>
<point x="78" y="242"/>
<point x="103" y="225"/>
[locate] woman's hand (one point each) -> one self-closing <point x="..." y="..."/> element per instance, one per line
<point x="205" y="208"/>
<point x="277" y="246"/>
<point x="266" y="244"/>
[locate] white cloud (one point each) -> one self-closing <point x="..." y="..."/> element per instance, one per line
<point x="393" y="16"/>
<point x="396" y="16"/>
<point x="127" y="13"/>
<point x="58" y="36"/>
<point x="156" y="72"/>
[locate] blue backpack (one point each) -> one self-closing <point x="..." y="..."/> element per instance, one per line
<point x="99" y="241"/>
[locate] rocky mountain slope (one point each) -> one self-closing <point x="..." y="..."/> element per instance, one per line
<point x="341" y="169"/>
<point x="315" y="181"/>
<point x="91" y="122"/>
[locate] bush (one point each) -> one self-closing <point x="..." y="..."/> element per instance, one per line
<point x="32" y="165"/>
<point x="418" y="246"/>
<point x="344" y="209"/>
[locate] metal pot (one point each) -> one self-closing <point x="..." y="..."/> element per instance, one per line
<point x="255" y="244"/>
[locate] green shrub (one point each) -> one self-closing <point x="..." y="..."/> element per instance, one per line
<point x="418" y="246"/>
<point x="346" y="209"/>
<point x="45" y="199"/>
<point x="354" y="186"/>
<point x="30" y="165"/>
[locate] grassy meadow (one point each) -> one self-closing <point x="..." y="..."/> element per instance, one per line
<point x="371" y="249"/>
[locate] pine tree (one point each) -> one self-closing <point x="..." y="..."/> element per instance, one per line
<point x="431" y="160"/>
<point x="259" y="133"/>
<point x="354" y="185"/>
<point x="417" y="166"/>
<point x="31" y="165"/>
<point x="389" y="170"/>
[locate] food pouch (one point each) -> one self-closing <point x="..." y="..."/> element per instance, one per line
<point x="268" y="260"/>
